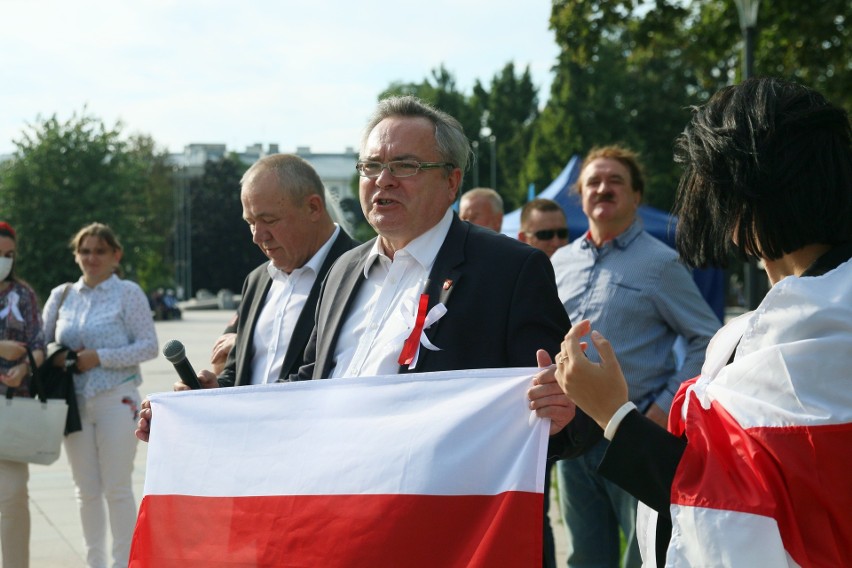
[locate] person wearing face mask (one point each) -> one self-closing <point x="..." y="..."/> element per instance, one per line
<point x="106" y="323"/>
<point x="20" y="329"/>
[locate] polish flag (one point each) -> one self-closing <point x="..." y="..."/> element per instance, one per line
<point x="431" y="469"/>
<point x="766" y="479"/>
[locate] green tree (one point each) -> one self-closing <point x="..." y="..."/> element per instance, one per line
<point x="620" y="79"/>
<point x="629" y="70"/>
<point x="511" y="104"/>
<point x="64" y="175"/>
<point x="222" y="249"/>
<point x="809" y="41"/>
<point x="149" y="214"/>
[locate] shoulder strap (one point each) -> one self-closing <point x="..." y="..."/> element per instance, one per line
<point x="64" y="293"/>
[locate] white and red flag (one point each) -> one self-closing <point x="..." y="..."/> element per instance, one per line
<point x="432" y="469"/>
<point x="766" y="479"/>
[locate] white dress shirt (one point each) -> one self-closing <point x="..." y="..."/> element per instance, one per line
<point x="383" y="313"/>
<point x="281" y="310"/>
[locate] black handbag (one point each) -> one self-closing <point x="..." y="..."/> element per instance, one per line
<point x="51" y="381"/>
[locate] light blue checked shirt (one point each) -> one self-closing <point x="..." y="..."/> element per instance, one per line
<point x="641" y="298"/>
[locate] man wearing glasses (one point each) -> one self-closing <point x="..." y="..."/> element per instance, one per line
<point x="484" y="301"/>
<point x="543" y="225"/>
<point x="642" y="298"/>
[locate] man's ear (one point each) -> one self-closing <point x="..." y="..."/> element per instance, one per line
<point x="454" y="179"/>
<point x="314" y="205"/>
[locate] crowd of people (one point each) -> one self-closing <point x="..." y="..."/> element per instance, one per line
<point x="688" y="454"/>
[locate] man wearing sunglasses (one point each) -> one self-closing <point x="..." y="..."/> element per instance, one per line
<point x="543" y="225"/>
<point x="642" y="298"/>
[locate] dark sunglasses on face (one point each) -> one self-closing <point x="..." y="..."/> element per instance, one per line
<point x="547" y="234"/>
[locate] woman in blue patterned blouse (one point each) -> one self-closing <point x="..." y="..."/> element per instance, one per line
<point x="106" y="323"/>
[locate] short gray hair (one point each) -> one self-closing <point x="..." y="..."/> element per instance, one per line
<point x="491" y="195"/>
<point x="296" y="177"/>
<point x="452" y="143"/>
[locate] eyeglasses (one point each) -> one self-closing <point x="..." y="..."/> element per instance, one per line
<point x="547" y="234"/>
<point x="94" y="251"/>
<point x="398" y="168"/>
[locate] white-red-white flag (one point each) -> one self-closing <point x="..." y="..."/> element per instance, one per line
<point x="766" y="479"/>
<point x="419" y="470"/>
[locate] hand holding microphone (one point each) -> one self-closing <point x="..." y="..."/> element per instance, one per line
<point x="175" y="352"/>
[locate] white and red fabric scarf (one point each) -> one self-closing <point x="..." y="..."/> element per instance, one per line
<point x="766" y="479"/>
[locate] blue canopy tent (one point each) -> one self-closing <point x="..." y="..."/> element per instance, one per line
<point x="711" y="282"/>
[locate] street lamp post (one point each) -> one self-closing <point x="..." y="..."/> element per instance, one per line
<point x="747" y="10"/>
<point x="493" y="140"/>
<point x="475" y="168"/>
<point x="485" y="133"/>
<point x="748" y="23"/>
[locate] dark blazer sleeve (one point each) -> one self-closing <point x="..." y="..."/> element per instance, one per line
<point x="642" y="459"/>
<point x="578" y="436"/>
<point x="238" y="364"/>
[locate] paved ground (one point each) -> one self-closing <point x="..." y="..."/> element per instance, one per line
<point x="57" y="540"/>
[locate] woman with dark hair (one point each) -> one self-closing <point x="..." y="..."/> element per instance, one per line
<point x="107" y="325"/>
<point x="20" y="329"/>
<point x="754" y="470"/>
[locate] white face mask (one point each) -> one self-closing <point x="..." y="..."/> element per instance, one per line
<point x="5" y="267"/>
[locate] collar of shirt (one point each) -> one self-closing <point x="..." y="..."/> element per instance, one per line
<point x="423" y="249"/>
<point x="313" y="264"/>
<point x="621" y="241"/>
<point x="106" y="285"/>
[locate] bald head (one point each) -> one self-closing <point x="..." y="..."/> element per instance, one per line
<point x="482" y="206"/>
<point x="284" y="205"/>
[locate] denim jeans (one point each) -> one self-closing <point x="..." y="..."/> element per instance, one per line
<point x="593" y="510"/>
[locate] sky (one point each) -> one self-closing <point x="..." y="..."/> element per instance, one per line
<point x="256" y="71"/>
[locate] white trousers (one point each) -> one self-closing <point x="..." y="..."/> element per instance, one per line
<point x="14" y="514"/>
<point x="101" y="457"/>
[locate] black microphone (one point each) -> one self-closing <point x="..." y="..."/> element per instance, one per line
<point x="176" y="354"/>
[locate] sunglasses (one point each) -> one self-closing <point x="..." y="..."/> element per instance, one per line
<point x="547" y="234"/>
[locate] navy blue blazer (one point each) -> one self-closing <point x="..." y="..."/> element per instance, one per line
<point x="502" y="305"/>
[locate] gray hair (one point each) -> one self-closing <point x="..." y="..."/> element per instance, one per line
<point x="452" y="143"/>
<point x="491" y="195"/>
<point x="296" y="177"/>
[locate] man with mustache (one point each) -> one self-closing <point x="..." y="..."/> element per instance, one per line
<point x="640" y="296"/>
